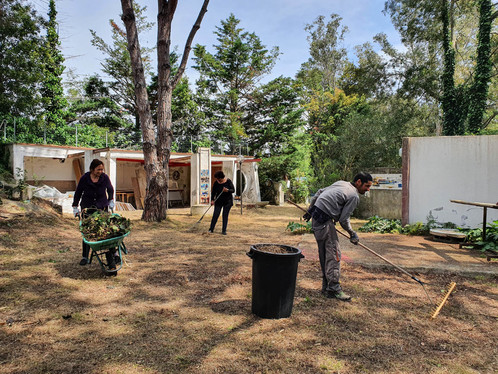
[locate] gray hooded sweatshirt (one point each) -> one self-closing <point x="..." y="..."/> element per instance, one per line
<point x="338" y="200"/>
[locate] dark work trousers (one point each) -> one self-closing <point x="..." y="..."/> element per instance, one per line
<point x="329" y="254"/>
<point x="216" y="214"/>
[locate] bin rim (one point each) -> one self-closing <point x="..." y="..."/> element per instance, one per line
<point x="297" y="253"/>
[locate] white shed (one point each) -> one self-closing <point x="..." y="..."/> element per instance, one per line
<point x="191" y="174"/>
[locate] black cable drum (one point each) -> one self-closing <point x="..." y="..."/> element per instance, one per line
<point x="274" y="273"/>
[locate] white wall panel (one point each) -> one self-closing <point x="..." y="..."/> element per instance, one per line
<point x="453" y="168"/>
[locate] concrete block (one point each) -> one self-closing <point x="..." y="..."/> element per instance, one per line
<point x="199" y="210"/>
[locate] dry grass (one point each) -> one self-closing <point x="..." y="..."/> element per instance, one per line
<point x="182" y="304"/>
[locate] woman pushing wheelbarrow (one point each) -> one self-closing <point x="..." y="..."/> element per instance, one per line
<point x="97" y="195"/>
<point x="104" y="232"/>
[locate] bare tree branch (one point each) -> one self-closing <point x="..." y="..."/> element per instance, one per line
<point x="188" y="44"/>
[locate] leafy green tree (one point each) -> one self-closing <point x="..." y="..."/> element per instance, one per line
<point x="464" y="105"/>
<point x="54" y="102"/>
<point x="292" y="164"/>
<point x="187" y="119"/>
<point x="370" y="77"/>
<point x="229" y="77"/>
<point x="121" y="92"/>
<point x="20" y="68"/>
<point x="276" y="135"/>
<point x="117" y="65"/>
<point x="446" y="30"/>
<point x="482" y="77"/>
<point x="185" y="116"/>
<point x="328" y="57"/>
<point x="372" y="138"/>
<point x="454" y="108"/>
<point x="95" y="108"/>
<point x="327" y="113"/>
<point x="327" y="106"/>
<point x="273" y="116"/>
<point x="364" y="135"/>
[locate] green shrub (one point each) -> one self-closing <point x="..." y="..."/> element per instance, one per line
<point x="299" y="228"/>
<point x="393" y="226"/>
<point x="382" y="225"/>
<point x="475" y="236"/>
<point x="417" y="228"/>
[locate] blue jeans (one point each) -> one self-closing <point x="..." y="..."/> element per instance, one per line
<point x="217" y="210"/>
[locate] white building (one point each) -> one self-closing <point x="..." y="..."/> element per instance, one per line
<point x="190" y="174"/>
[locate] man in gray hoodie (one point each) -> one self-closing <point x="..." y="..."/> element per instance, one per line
<point x="332" y="204"/>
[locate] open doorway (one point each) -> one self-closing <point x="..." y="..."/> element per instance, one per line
<point x="238" y="190"/>
<point x="214" y="169"/>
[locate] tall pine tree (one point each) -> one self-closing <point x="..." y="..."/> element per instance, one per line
<point x="20" y="60"/>
<point x="54" y="102"/>
<point x="229" y="78"/>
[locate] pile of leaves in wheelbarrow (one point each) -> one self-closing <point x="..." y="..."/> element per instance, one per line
<point x="103" y="225"/>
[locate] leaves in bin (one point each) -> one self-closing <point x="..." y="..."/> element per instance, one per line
<point x="103" y="225"/>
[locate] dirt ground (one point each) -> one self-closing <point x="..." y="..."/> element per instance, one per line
<point x="182" y="304"/>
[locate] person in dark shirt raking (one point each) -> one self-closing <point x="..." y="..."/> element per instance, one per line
<point x="96" y="193"/>
<point x="222" y="198"/>
<point x="332" y="204"/>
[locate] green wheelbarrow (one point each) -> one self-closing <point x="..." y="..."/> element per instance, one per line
<point x="105" y="250"/>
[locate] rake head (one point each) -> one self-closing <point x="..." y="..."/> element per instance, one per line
<point x="440" y="305"/>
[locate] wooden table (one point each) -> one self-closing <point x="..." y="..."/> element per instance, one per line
<point x="485" y="207"/>
<point x="175" y="194"/>
<point x="124" y="196"/>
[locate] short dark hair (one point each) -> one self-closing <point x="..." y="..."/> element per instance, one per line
<point x="96" y="162"/>
<point x="219" y="175"/>
<point x="364" y="177"/>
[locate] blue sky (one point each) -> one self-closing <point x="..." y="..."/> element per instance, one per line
<point x="277" y="22"/>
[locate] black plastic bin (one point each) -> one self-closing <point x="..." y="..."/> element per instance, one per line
<point x="273" y="280"/>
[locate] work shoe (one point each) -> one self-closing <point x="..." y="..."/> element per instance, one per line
<point x="210" y="231"/>
<point x="83" y="261"/>
<point x="223" y="233"/>
<point x="112" y="265"/>
<point x="338" y="295"/>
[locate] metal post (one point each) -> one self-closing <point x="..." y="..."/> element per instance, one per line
<point x="240" y="181"/>
<point x="240" y="160"/>
<point x="484" y="219"/>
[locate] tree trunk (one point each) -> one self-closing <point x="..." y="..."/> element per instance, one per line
<point x="154" y="177"/>
<point x="157" y="155"/>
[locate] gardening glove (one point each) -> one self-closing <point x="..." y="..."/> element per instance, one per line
<point x="307" y="216"/>
<point x="111" y="204"/>
<point x="76" y="211"/>
<point x="354" y="238"/>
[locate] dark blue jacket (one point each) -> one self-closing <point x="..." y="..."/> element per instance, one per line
<point x="93" y="194"/>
